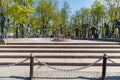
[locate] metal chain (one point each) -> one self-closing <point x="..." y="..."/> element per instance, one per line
<point x="13" y="64"/>
<point x="74" y="69"/>
<point x="113" y="61"/>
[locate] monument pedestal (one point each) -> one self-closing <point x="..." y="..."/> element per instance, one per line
<point x="60" y="38"/>
<point x="2" y="41"/>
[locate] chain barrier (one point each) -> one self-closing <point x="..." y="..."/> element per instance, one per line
<point x="13" y="64"/>
<point x="74" y="69"/>
<point x="113" y="62"/>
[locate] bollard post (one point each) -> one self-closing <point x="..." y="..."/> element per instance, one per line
<point x="31" y="66"/>
<point x="104" y="67"/>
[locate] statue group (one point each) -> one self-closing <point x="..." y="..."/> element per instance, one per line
<point x="93" y="32"/>
<point x="25" y="30"/>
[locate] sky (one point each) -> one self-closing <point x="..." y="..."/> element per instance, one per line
<point x="76" y="4"/>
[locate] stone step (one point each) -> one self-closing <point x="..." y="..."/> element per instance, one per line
<point x="57" y="54"/>
<point x="63" y="50"/>
<point x="59" y="60"/>
<point x="60" y="46"/>
<point x="63" y="43"/>
<point x="49" y="56"/>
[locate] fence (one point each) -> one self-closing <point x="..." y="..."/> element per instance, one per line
<point x="33" y="58"/>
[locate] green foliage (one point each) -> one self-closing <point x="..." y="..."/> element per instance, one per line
<point x="46" y="16"/>
<point x="65" y="13"/>
<point x="65" y="17"/>
<point x="20" y="13"/>
<point x="49" y="16"/>
<point x="113" y="8"/>
<point x="97" y="12"/>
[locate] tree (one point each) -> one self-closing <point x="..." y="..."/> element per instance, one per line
<point x="113" y="9"/>
<point x="20" y="13"/>
<point x="113" y="12"/>
<point x="97" y="12"/>
<point x="82" y="18"/>
<point x="57" y="20"/>
<point x="45" y="12"/>
<point x="65" y="17"/>
<point x="98" y="15"/>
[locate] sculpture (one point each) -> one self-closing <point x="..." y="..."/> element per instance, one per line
<point x="4" y="24"/>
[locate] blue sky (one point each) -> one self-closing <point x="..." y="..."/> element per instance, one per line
<point x="76" y="4"/>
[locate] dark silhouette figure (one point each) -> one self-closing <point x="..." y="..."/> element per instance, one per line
<point x="61" y="30"/>
<point x="38" y="33"/>
<point x="53" y="33"/>
<point x="84" y="30"/>
<point x="77" y="32"/>
<point x="17" y="32"/>
<point x="22" y="31"/>
<point x="94" y="31"/>
<point x="117" y="25"/>
<point x="107" y="31"/>
<point x="69" y="33"/>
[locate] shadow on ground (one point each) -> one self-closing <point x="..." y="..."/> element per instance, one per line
<point x="79" y="78"/>
<point x="113" y="78"/>
<point x="61" y="78"/>
<point x="14" y="77"/>
<point x="67" y="78"/>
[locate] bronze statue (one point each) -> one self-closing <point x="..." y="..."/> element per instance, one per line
<point x="3" y="25"/>
<point x="107" y="31"/>
<point x="94" y="32"/>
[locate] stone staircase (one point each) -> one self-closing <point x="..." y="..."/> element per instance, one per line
<point x="74" y="52"/>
